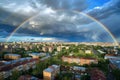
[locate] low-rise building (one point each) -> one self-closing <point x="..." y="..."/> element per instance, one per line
<point x="114" y="63"/>
<point x="67" y="47"/>
<point x="21" y="64"/>
<point x="45" y="48"/>
<point x="59" y="48"/>
<point x="51" y="72"/>
<point x="111" y="56"/>
<point x="80" y="70"/>
<point x="88" y="51"/>
<point x="77" y="68"/>
<point x="80" y="61"/>
<point x="37" y="55"/>
<point x="12" y="56"/>
<point x="51" y="49"/>
<point x="101" y="52"/>
<point x="28" y="77"/>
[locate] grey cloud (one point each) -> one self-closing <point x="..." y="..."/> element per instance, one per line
<point x="15" y="19"/>
<point x="63" y="4"/>
<point x="108" y="15"/>
<point x="66" y="28"/>
<point x="65" y="24"/>
<point x="106" y="10"/>
<point x="112" y="24"/>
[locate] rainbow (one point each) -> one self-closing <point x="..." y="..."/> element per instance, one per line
<point x="92" y="18"/>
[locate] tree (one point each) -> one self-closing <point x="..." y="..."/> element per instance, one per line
<point x="64" y="76"/>
<point x="15" y="75"/>
<point x="116" y="74"/>
<point x="85" y="77"/>
<point x="1" y="78"/>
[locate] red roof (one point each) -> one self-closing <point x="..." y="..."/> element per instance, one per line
<point x="97" y="74"/>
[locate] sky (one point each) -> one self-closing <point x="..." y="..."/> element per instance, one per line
<point x="59" y="20"/>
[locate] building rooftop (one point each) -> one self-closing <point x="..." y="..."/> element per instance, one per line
<point x="37" y="54"/>
<point x="100" y="51"/>
<point x="15" y="63"/>
<point x="55" y="66"/>
<point x="111" y="57"/>
<point x="116" y="62"/>
<point x="79" y="68"/>
<point x="28" y="77"/>
<point x="51" y="68"/>
<point x="12" y="54"/>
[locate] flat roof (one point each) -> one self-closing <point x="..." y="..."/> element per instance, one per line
<point x="36" y="54"/>
<point x="113" y="57"/>
<point x="80" y="68"/>
<point x="13" y="54"/>
<point x="16" y="63"/>
<point x="51" y="68"/>
<point x="115" y="62"/>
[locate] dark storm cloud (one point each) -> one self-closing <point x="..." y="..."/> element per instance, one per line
<point x="66" y="29"/>
<point x="109" y="15"/>
<point x="112" y="23"/>
<point x="3" y="14"/>
<point x="63" y="24"/>
<point x="12" y="18"/>
<point x="63" y="4"/>
<point x="106" y="10"/>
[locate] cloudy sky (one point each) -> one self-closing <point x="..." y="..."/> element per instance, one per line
<point x="59" y="20"/>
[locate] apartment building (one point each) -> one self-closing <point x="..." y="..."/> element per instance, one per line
<point x="21" y="64"/>
<point x="51" y="72"/>
<point x="12" y="56"/>
<point x="80" y="61"/>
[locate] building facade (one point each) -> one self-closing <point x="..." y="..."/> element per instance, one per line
<point x="22" y="64"/>
<point x="51" y="72"/>
<point x="80" y="61"/>
<point x="12" y="56"/>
